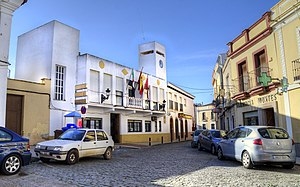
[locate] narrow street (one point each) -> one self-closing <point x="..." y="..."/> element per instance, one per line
<point x="174" y="164"/>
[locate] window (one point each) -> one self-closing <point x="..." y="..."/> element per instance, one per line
<point x="203" y="116"/>
<point x="181" y="107"/>
<point x="176" y="106"/>
<point x="155" y="126"/>
<point x="251" y="118"/>
<point x="159" y="127"/>
<point x="101" y="135"/>
<point x="134" y="126"/>
<point x="204" y="126"/>
<point x="260" y="64"/>
<point x="243" y="76"/>
<point x="94" y="86"/>
<point x="147" y="126"/>
<point x="4" y="136"/>
<point x="90" y="136"/>
<point x="213" y="126"/>
<point x="119" y="91"/>
<point x="59" y="82"/>
<point x="296" y="69"/>
<point x="107" y="83"/>
<point x="92" y="123"/>
<point x="171" y="104"/>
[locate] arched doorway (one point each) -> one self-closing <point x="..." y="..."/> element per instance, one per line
<point x="171" y="129"/>
<point x="181" y="129"/>
<point x="177" y="130"/>
<point x="186" y="129"/>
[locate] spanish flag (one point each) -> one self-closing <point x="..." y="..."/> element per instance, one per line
<point x="140" y="82"/>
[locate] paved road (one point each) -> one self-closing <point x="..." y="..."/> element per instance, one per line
<point x="174" y="164"/>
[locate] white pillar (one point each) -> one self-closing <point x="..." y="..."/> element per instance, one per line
<point x="7" y="7"/>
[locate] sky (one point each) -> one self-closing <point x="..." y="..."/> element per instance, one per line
<point x="194" y="32"/>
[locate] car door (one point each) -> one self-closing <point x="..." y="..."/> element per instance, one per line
<point x="206" y="140"/>
<point x="228" y="145"/>
<point x="240" y="142"/>
<point x="102" y="141"/>
<point x="88" y="147"/>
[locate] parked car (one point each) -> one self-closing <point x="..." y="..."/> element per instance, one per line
<point x="14" y="151"/>
<point x="209" y="139"/>
<point x="74" y="144"/>
<point x="195" y="137"/>
<point x="256" y="145"/>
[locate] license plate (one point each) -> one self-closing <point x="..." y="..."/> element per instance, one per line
<point x="45" y="153"/>
<point x="280" y="157"/>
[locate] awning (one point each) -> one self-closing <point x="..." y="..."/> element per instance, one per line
<point x="73" y="114"/>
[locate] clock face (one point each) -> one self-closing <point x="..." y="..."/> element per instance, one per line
<point x="161" y="64"/>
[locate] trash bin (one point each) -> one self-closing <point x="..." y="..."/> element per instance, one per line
<point x="57" y="133"/>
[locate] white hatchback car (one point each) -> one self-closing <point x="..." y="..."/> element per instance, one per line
<point x="74" y="144"/>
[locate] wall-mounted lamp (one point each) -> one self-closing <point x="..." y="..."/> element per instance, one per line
<point x="103" y="97"/>
<point x="162" y="106"/>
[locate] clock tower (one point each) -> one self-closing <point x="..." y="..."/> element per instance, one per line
<point x="152" y="58"/>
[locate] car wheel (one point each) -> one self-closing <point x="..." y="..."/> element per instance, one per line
<point x="108" y="154"/>
<point x="288" y="166"/>
<point x="220" y="153"/>
<point x="45" y="160"/>
<point x="11" y="164"/>
<point x="199" y="146"/>
<point x="246" y="160"/>
<point x="213" y="149"/>
<point x="72" y="157"/>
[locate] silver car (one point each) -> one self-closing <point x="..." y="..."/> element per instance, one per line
<point x="257" y="145"/>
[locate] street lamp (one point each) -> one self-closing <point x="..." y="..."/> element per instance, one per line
<point x="162" y="106"/>
<point x="103" y="97"/>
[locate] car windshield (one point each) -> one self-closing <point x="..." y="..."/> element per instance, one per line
<point x="273" y="133"/>
<point x="218" y="134"/>
<point x="72" y="135"/>
<point x="197" y="132"/>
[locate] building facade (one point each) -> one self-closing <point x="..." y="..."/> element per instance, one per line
<point x="7" y="7"/>
<point x="134" y="106"/>
<point x="206" y="117"/>
<point x="262" y="70"/>
<point x="28" y="109"/>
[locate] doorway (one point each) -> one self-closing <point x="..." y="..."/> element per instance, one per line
<point x="115" y="127"/>
<point x="14" y="111"/>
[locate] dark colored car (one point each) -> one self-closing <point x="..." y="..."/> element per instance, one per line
<point x="209" y="139"/>
<point x="14" y="151"/>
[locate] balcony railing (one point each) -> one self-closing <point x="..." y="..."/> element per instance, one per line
<point x="296" y="69"/>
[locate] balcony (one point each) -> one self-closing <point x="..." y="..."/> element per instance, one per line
<point x="89" y="97"/>
<point x="249" y="85"/>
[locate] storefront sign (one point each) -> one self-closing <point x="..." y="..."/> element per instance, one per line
<point x="267" y="99"/>
<point x="186" y="116"/>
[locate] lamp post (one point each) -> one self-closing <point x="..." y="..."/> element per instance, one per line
<point x="105" y="97"/>
<point x="162" y="106"/>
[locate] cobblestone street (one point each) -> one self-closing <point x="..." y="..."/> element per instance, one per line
<point x="174" y="164"/>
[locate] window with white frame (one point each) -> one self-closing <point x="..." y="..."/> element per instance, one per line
<point x="60" y="73"/>
<point x="119" y="91"/>
<point x="107" y="83"/>
<point x="155" y="98"/>
<point x="147" y="126"/>
<point x="94" y="86"/>
<point x="134" y="126"/>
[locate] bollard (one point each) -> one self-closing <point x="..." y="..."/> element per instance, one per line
<point x="162" y="140"/>
<point x="149" y="141"/>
